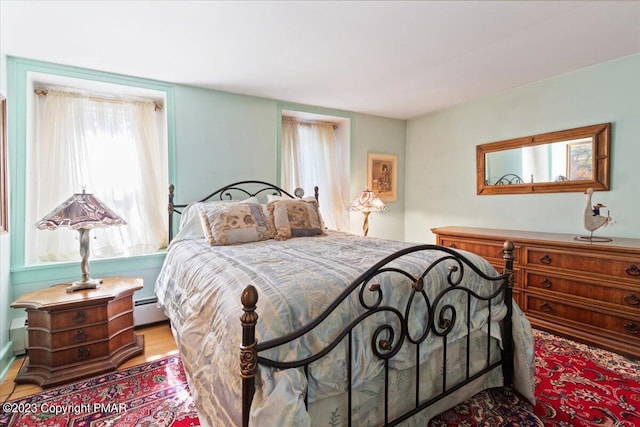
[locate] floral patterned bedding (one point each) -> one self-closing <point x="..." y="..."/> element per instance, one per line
<point x="200" y="286"/>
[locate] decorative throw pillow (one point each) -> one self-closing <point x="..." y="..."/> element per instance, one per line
<point x="190" y="222"/>
<point x="294" y="218"/>
<point x="227" y="224"/>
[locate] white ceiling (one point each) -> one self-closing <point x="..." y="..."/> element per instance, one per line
<point x="397" y="59"/>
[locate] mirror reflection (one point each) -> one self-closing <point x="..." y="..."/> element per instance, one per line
<point x="560" y="161"/>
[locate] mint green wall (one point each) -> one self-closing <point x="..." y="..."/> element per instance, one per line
<point x="383" y="136"/>
<point x="5" y="347"/>
<point x="223" y="137"/>
<point x="440" y="170"/>
<point x="219" y="138"/>
<point x="25" y="279"/>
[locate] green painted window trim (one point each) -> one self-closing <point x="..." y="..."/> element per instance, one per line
<point x="17" y="71"/>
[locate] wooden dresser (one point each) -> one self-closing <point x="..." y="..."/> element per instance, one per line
<point x="586" y="291"/>
<point x="79" y="334"/>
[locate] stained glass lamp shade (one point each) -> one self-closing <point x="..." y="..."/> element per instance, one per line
<point x="82" y="212"/>
<point x="367" y="202"/>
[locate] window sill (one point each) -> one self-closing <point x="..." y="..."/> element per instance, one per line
<point x="61" y="271"/>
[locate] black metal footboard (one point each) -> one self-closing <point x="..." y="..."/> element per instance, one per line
<point x="440" y="317"/>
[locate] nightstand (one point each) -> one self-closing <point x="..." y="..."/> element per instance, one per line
<point x="80" y="334"/>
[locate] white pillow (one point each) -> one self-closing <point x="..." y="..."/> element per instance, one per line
<point x="190" y="223"/>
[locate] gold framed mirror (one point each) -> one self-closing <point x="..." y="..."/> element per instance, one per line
<point x="555" y="162"/>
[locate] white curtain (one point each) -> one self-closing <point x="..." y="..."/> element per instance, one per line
<point x="115" y="150"/>
<point x="312" y="156"/>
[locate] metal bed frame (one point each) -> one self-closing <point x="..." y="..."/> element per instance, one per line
<point x="389" y="338"/>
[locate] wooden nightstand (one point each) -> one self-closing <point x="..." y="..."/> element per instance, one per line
<point x="80" y="334"/>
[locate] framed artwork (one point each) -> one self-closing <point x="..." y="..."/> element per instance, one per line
<point x="4" y="201"/>
<point x="579" y="161"/>
<point x="382" y="176"/>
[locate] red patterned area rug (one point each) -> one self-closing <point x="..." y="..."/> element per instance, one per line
<point x="576" y="385"/>
<point x="153" y="394"/>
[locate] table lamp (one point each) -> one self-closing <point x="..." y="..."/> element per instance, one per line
<point x="81" y="212"/>
<point x="367" y="202"/>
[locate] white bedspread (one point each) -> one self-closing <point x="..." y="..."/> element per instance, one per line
<point x="200" y="287"/>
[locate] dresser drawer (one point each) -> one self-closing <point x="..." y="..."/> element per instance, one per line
<point x="608" y="266"/>
<point x="627" y="328"/>
<point x="597" y="291"/>
<point x="82" y="353"/>
<point x="488" y="249"/>
<point x="69" y="337"/>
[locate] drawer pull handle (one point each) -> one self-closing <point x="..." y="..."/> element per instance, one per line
<point x="453" y="245"/>
<point x="545" y="259"/>
<point x="545" y="307"/>
<point x="546" y="283"/>
<point x="81" y="336"/>
<point x="83" y="353"/>
<point x="80" y="317"/>
<point x="633" y="270"/>
<point x="632" y="328"/>
<point x="632" y="299"/>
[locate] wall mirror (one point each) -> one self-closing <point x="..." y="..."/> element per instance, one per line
<point x="554" y="162"/>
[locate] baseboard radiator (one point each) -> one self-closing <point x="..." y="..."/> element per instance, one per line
<point x="19" y="336"/>
<point x="147" y="311"/>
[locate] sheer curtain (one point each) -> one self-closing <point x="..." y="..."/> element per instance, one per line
<point x="311" y="156"/>
<point x="115" y="150"/>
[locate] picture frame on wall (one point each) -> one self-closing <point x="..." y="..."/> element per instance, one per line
<point x="4" y="164"/>
<point x="382" y="176"/>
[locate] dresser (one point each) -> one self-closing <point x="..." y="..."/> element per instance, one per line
<point x="586" y="291"/>
<point x="79" y="334"/>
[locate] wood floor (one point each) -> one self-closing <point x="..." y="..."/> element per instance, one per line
<point x="158" y="343"/>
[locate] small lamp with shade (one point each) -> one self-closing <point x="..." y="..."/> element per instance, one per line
<point x="367" y="202"/>
<point x="82" y="212"/>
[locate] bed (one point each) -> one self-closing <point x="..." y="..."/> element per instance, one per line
<point x="295" y="326"/>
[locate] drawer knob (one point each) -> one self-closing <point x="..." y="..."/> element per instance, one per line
<point x="80" y="317"/>
<point x="633" y="270"/>
<point x="80" y="336"/>
<point x="632" y="328"/>
<point x="83" y="353"/>
<point x="546" y="283"/>
<point x="545" y="307"/>
<point x="453" y="245"/>
<point x="632" y="299"/>
<point x="545" y="259"/>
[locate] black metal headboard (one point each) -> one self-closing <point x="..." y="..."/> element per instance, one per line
<point x="237" y="191"/>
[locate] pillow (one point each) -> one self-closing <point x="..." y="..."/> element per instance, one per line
<point x="227" y="224"/>
<point x="294" y="218"/>
<point x="190" y="223"/>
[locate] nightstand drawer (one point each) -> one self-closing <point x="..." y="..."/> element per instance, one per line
<point x="64" y="319"/>
<point x="69" y="337"/>
<point x="78" y="317"/>
<point x="82" y="353"/>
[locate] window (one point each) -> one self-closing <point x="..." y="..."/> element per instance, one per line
<point x="109" y="143"/>
<point x="315" y="151"/>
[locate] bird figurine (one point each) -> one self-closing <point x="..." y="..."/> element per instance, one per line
<point x="592" y="219"/>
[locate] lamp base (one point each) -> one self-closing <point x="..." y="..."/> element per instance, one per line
<point x="84" y="284"/>
<point x="592" y="239"/>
